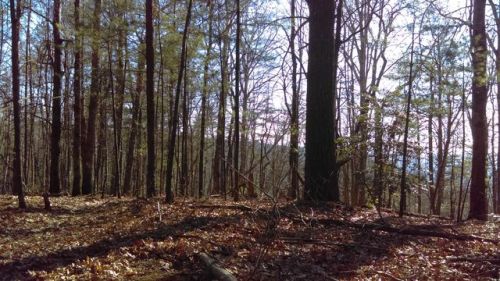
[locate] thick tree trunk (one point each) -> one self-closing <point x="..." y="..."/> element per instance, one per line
<point x="88" y="147"/>
<point x="76" y="105"/>
<point x="478" y="203"/>
<point x="150" y="174"/>
<point x="17" y="185"/>
<point x="321" y="179"/>
<point x="55" y="139"/>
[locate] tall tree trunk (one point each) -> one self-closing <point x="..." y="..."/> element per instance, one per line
<point x="17" y="185"/>
<point x="452" y="186"/>
<point x="150" y="64"/>
<point x="204" y="103"/>
<point x="431" y="141"/>
<point x="88" y="147"/>
<point x="478" y="203"/>
<point x="362" y="126"/>
<point x="496" y="192"/>
<point x="294" y="118"/>
<point x="101" y="163"/>
<point x="378" y="182"/>
<point x="419" y="169"/>
<point x="402" y="202"/>
<point x="321" y="172"/>
<point x="184" y="178"/>
<point x="55" y="149"/>
<point x="118" y="106"/>
<point x="462" y="165"/>
<point x="76" y="105"/>
<point x="136" y="100"/>
<point x="65" y="168"/>
<point x="175" y="115"/>
<point x="497" y="66"/>
<point x="115" y="176"/>
<point x="27" y="81"/>
<point x="236" y="186"/>
<point x="219" y="182"/>
<point x="441" y="162"/>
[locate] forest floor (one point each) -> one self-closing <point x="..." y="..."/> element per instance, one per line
<point x="89" y="238"/>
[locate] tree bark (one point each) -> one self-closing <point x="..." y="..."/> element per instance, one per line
<point x="184" y="178"/>
<point x="479" y="127"/>
<point x="496" y="192"/>
<point x="175" y="116"/>
<point x="17" y="185"/>
<point x="136" y="101"/>
<point x="321" y="177"/>
<point x="402" y="202"/>
<point x="88" y="147"/>
<point x="122" y="54"/>
<point x="204" y="98"/>
<point x="150" y="174"/>
<point x="294" y="118"/>
<point x="236" y="187"/>
<point x="76" y="105"/>
<point x="55" y="139"/>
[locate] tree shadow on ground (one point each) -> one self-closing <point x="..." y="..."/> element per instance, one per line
<point x="19" y="269"/>
<point x="339" y="251"/>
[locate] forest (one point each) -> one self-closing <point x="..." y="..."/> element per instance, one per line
<point x="249" y="140"/>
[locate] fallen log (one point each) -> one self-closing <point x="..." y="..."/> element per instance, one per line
<point x="218" y="272"/>
<point x="407" y="230"/>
